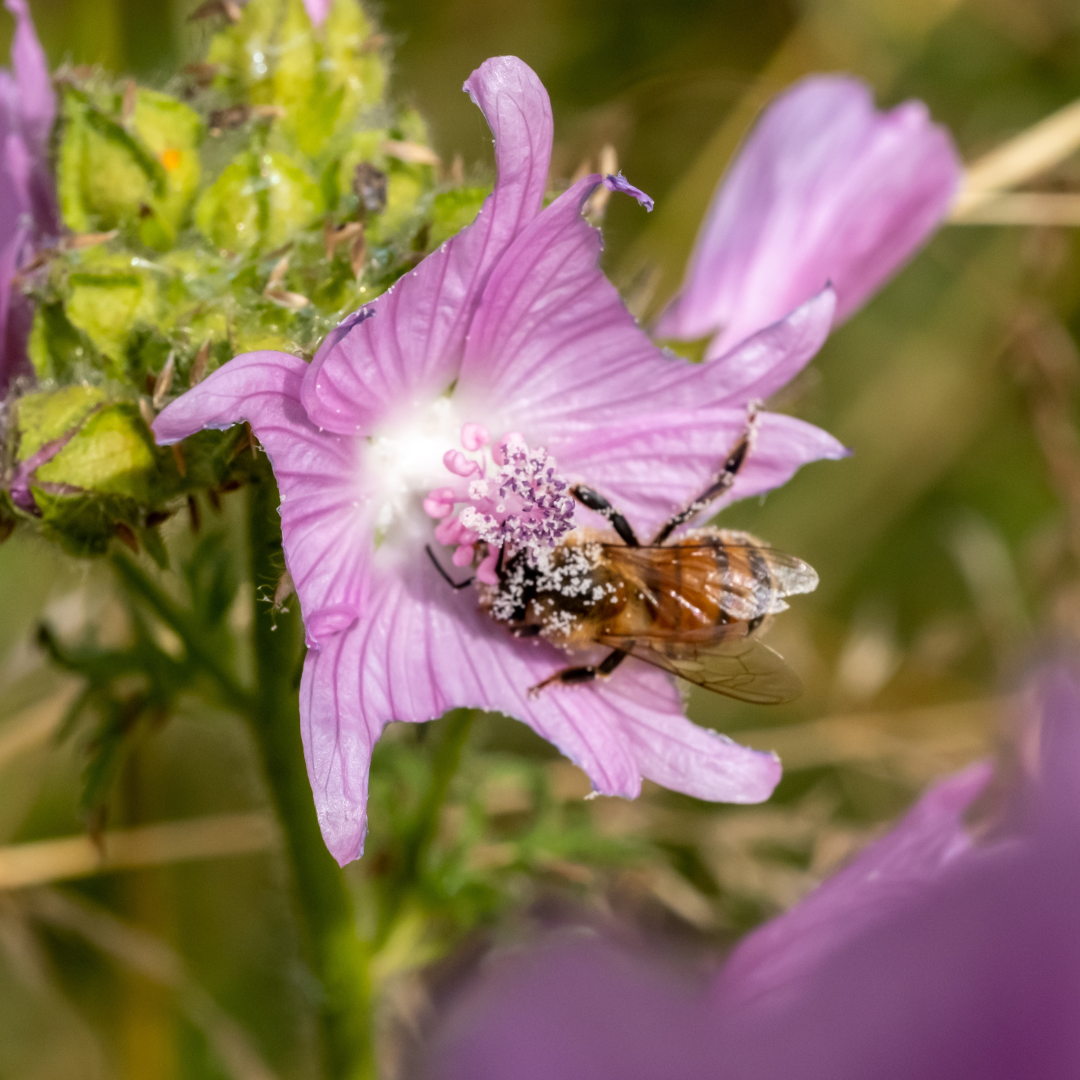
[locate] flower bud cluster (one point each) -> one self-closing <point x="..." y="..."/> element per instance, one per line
<point x="274" y="194"/>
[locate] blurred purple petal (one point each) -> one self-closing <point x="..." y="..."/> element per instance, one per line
<point x="12" y="353"/>
<point x="413" y="347"/>
<point x="826" y="189"/>
<point x="28" y="211"/>
<point x="318" y="10"/>
<point x="887" y="876"/>
<point x="37" y="99"/>
<point x="579" y="1009"/>
<point x="932" y="957"/>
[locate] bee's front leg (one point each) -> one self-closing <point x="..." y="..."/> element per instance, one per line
<point x="584" y="674"/>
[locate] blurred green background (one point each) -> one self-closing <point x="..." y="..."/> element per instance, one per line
<point x="948" y="548"/>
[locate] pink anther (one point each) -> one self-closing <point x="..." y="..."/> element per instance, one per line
<point x="459" y="464"/>
<point x="474" y="436"/>
<point x="440" y="503"/>
<point x="464" y="555"/>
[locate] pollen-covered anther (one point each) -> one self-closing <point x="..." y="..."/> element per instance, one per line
<point x="514" y="496"/>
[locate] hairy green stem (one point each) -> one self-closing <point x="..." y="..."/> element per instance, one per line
<point x="337" y="957"/>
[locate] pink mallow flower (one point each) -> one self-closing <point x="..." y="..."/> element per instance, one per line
<point x="27" y="196"/>
<point x="826" y="189"/>
<point x="459" y="408"/>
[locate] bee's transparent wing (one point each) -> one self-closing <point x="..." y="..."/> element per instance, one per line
<point x="745" y="581"/>
<point x="745" y="669"/>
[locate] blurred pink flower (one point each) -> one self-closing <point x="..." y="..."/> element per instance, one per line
<point x="826" y="189"/>
<point x="27" y="196"/>
<point x="931" y="957"/>
<point x="318" y="10"/>
<point x="508" y="330"/>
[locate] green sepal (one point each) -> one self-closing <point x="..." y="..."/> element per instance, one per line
<point x="43" y="417"/>
<point x="155" y="546"/>
<point x="112" y="454"/>
<point x="107" y="298"/>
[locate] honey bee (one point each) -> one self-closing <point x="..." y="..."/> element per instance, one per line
<point x="694" y="606"/>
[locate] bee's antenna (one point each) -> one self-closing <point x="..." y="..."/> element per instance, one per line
<point x="501" y="560"/>
<point x="443" y="574"/>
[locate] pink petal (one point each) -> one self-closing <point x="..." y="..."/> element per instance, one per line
<point x="420" y="649"/>
<point x="325" y="514"/>
<point x="826" y="189"/>
<point x="677" y="754"/>
<point x="619" y="183"/>
<point x="651" y="466"/>
<point x="410" y="351"/>
<point x="554" y="347"/>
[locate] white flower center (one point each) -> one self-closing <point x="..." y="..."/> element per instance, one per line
<point x="513" y="496"/>
<point x="407" y="462"/>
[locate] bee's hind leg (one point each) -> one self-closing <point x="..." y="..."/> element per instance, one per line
<point x="587" y="673"/>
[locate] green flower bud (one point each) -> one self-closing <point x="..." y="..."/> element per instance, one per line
<point x="134" y="164"/>
<point x="82" y="466"/>
<point x="56" y="348"/>
<point x="244" y="52"/>
<point x="108" y="298"/>
<point x="260" y="201"/>
<point x="351" y="58"/>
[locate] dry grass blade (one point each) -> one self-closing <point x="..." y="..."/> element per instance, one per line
<point x="35" y="725"/>
<point x="1019" y="208"/>
<point x="1020" y="159"/>
<point x="163" y="383"/>
<point x="411" y="153"/>
<point x="126" y="849"/>
<point x="198" y="368"/>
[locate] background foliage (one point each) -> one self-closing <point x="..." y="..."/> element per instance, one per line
<point x="947" y="546"/>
